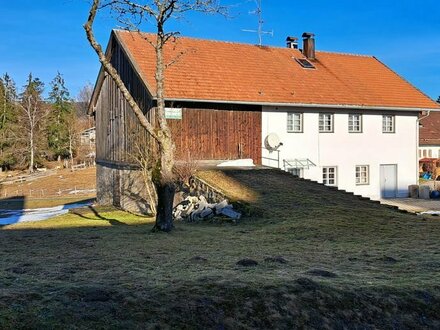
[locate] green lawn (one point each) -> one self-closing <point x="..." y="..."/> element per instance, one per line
<point x="325" y="260"/>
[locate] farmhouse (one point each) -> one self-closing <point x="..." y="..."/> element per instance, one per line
<point x="87" y="137"/>
<point x="430" y="135"/>
<point x="340" y="119"/>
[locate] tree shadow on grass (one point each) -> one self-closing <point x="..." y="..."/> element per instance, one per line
<point x="84" y="212"/>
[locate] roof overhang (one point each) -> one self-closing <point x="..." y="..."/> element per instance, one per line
<point x="307" y="105"/>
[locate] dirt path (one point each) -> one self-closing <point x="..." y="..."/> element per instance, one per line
<point x="413" y="204"/>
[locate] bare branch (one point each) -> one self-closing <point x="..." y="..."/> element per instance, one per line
<point x="108" y="67"/>
<point x="178" y="57"/>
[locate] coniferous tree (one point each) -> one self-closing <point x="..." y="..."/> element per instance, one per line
<point x="8" y="96"/>
<point x="58" y="126"/>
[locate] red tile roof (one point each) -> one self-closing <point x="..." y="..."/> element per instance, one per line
<point x="233" y="72"/>
<point x="430" y="129"/>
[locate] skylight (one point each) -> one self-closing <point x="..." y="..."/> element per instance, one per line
<point x="305" y="63"/>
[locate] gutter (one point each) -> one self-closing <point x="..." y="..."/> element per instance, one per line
<point x="418" y="142"/>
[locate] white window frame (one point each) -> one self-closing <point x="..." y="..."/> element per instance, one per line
<point x="330" y="175"/>
<point x="294" y="122"/>
<point x="326" y="122"/>
<point x="388" y="124"/>
<point x="354" y="123"/>
<point x="362" y="175"/>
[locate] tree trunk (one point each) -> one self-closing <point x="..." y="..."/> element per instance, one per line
<point x="71" y="151"/>
<point x="31" y="161"/>
<point x="164" y="216"/>
<point x="165" y="187"/>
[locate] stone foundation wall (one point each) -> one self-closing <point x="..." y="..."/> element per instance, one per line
<point x="121" y="187"/>
<point x="124" y="187"/>
<point x="200" y="187"/>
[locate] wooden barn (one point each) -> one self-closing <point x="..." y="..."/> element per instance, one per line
<point x="203" y="127"/>
<point x="224" y="100"/>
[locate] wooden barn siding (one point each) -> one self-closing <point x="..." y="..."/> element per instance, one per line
<point x="202" y="133"/>
<point x="118" y="129"/>
<point x="217" y="134"/>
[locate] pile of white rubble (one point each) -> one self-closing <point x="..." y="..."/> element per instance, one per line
<point x="197" y="208"/>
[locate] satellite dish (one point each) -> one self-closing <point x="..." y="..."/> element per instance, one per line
<point x="272" y="142"/>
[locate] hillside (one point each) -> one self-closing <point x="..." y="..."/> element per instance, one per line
<point x="309" y="256"/>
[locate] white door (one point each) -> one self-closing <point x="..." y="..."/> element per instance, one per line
<point x="388" y="181"/>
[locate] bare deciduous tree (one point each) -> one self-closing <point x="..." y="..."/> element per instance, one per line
<point x="32" y="113"/>
<point x="74" y="130"/>
<point x="158" y="12"/>
<point x="83" y="99"/>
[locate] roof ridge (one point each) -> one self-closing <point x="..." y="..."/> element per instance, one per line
<point x="216" y="40"/>
<point x="248" y="44"/>
<point x="344" y="53"/>
<point x="203" y="39"/>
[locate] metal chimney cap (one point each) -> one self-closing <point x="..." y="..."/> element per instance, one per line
<point x="289" y="38"/>
<point x="308" y="35"/>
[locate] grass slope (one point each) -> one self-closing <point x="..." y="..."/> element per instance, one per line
<point x="325" y="260"/>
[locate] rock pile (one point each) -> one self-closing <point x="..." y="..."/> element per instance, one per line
<point x="197" y="208"/>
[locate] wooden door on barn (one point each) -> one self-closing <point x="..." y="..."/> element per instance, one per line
<point x="206" y="134"/>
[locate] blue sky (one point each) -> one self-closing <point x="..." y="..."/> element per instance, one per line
<point x="46" y="36"/>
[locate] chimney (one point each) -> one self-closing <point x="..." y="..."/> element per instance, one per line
<point x="308" y="45"/>
<point x="292" y="42"/>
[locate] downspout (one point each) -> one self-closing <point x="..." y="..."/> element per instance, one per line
<point x="418" y="141"/>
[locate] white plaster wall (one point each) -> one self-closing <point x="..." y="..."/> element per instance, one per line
<point x="346" y="150"/>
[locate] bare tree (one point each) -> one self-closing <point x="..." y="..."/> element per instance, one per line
<point x="159" y="12"/>
<point x="83" y="99"/>
<point x="32" y="113"/>
<point x="145" y="160"/>
<point x="76" y="126"/>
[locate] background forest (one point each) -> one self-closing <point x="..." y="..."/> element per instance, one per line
<point x="36" y="130"/>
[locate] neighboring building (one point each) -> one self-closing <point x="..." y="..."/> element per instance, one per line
<point x="429" y="142"/>
<point x="88" y="137"/>
<point x="340" y="119"/>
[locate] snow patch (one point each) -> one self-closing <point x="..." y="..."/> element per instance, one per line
<point x="8" y="217"/>
<point x="238" y="162"/>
